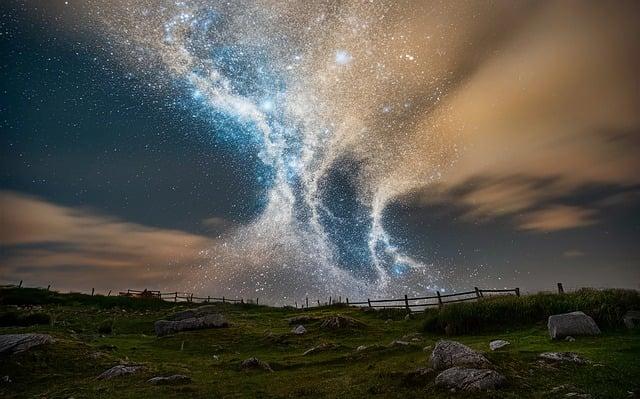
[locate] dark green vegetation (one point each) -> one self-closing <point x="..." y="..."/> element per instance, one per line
<point x="212" y="357"/>
<point x="493" y="314"/>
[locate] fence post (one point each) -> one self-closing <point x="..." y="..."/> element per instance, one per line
<point x="20" y="285"/>
<point x="330" y="301"/>
<point x="439" y="299"/>
<point x="340" y="299"/>
<point x="369" y="302"/>
<point x="517" y="291"/>
<point x="347" y="301"/>
<point x="242" y="300"/>
<point x="560" y="289"/>
<point x="48" y="286"/>
<point x="208" y="298"/>
<point x="223" y="299"/>
<point x="406" y="303"/>
<point x="109" y="294"/>
<point x="92" y="291"/>
<point x="478" y="293"/>
<point x="307" y="302"/>
<point x="175" y="296"/>
<point x="258" y="300"/>
<point x="296" y="304"/>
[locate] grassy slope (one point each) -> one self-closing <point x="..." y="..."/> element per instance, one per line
<point x="69" y="367"/>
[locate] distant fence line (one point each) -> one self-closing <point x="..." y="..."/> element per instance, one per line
<point x="408" y="303"/>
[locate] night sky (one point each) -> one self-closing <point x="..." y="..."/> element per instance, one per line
<point x="292" y="149"/>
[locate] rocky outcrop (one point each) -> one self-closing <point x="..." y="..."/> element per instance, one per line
<point x="165" y="327"/>
<point x="466" y="379"/>
<point x="16" y="343"/>
<point x="498" y="344"/>
<point x="447" y="354"/>
<point x="175" y="379"/>
<point x="573" y="324"/>
<point x="119" y="371"/>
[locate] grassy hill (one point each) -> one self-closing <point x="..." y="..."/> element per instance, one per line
<point x="96" y="333"/>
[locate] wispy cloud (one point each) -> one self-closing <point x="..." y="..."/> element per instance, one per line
<point x="43" y="242"/>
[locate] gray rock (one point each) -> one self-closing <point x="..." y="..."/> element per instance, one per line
<point x="631" y="319"/>
<point x="175" y="379"/>
<point x="253" y="363"/>
<point x="470" y="379"/>
<point x="397" y="342"/>
<point x="165" y="327"/>
<point x="339" y="322"/>
<point x="119" y="370"/>
<point x="361" y="348"/>
<point x="498" y="343"/>
<point x="569" y="357"/>
<point x="577" y="395"/>
<point x="574" y="323"/>
<point x="16" y="343"/>
<point x="449" y="354"/>
<point x="299" y="330"/>
<point x="200" y="311"/>
<point x="569" y="338"/>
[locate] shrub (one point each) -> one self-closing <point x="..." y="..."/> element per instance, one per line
<point x="494" y="313"/>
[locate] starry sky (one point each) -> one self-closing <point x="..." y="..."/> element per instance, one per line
<point x="283" y="149"/>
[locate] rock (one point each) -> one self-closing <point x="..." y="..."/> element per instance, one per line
<point x="165" y="327"/>
<point x="253" y="363"/>
<point x="448" y="354"/>
<point x="562" y="357"/>
<point x="16" y="343"/>
<point x="299" y="330"/>
<point x="408" y="316"/>
<point x="397" y="343"/>
<point x="426" y="348"/>
<point x="470" y="379"/>
<point x="339" y="322"/>
<point x="631" y="319"/>
<point x="175" y="379"/>
<point x="388" y="321"/>
<point x="120" y="370"/>
<point x="498" y="343"/>
<point x="569" y="338"/>
<point x="5" y="380"/>
<point x="200" y="311"/>
<point x="302" y="319"/>
<point x="319" y="348"/>
<point x="361" y="348"/>
<point x="574" y="323"/>
<point x="577" y="395"/>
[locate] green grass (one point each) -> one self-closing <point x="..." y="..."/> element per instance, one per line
<point x="605" y="306"/>
<point x="211" y="358"/>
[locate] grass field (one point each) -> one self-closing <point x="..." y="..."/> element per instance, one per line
<point x="68" y="367"/>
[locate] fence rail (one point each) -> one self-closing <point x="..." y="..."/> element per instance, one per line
<point x="411" y="304"/>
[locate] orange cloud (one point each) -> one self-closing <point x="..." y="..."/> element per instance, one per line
<point x="558" y="217"/>
<point x="43" y="243"/>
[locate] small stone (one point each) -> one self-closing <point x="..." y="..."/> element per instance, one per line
<point x="568" y="357"/>
<point x="397" y="343"/>
<point x="119" y="370"/>
<point x="299" y="330"/>
<point x="427" y="348"/>
<point x="361" y="348"/>
<point x="175" y="379"/>
<point x="5" y="379"/>
<point x="498" y="344"/>
<point x="408" y="316"/>
<point x="577" y="395"/>
<point x="253" y="363"/>
<point x="470" y="379"/>
<point x="319" y="348"/>
<point x="388" y="321"/>
<point x="569" y="338"/>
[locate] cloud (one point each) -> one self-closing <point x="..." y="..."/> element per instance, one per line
<point x="46" y="243"/>
<point x="557" y="217"/>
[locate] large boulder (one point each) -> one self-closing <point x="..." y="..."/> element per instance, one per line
<point x="470" y="379"/>
<point x="571" y="324"/>
<point x="165" y="327"/>
<point x="562" y="357"/>
<point x="16" y="343"/>
<point x="449" y="354"/>
<point x="631" y="319"/>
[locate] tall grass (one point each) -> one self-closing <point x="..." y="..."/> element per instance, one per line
<point x="491" y="314"/>
<point x="38" y="296"/>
